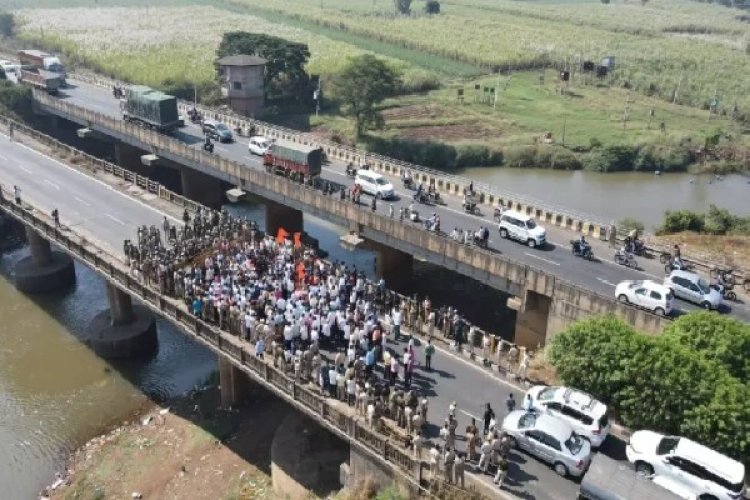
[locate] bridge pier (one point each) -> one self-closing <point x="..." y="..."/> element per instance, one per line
<point x="278" y="216"/>
<point x="201" y="188"/>
<point x="531" y="319"/>
<point x="235" y="386"/>
<point x="44" y="270"/>
<point x="305" y="457"/>
<point x="123" y="330"/>
<point x="394" y="266"/>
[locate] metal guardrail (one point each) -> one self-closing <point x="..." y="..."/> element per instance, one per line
<point x="318" y="407"/>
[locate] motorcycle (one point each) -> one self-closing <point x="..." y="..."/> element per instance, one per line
<point x="726" y="290"/>
<point x="481" y="242"/>
<point x="585" y="252"/>
<point x="208" y="145"/>
<point x="671" y="266"/>
<point x="117" y="92"/>
<point x="639" y="248"/>
<point x="195" y="115"/>
<point x="625" y="259"/>
<point x="351" y="171"/>
<point x="408" y="182"/>
<point x="421" y="197"/>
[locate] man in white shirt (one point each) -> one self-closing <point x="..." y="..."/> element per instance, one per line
<point x="396" y="323"/>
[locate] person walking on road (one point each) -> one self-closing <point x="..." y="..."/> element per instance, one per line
<point x="434" y="461"/>
<point x="448" y="460"/>
<point x="489" y="415"/>
<point x="56" y="217"/>
<point x="471" y="439"/>
<point x="17" y="194"/>
<point x="429" y="350"/>
<point x="396" y="322"/>
<point x="510" y="403"/>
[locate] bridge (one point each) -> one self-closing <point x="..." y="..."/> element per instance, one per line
<point x="551" y="288"/>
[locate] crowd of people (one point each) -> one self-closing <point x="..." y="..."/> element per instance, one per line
<point x="321" y="323"/>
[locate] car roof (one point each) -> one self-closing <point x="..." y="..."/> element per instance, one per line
<point x="685" y="274"/>
<point x="580" y="400"/>
<point x="259" y="138"/>
<point x="517" y="215"/>
<point x="372" y="174"/>
<point x="712" y="460"/>
<point x="553" y="426"/>
<point x="653" y="285"/>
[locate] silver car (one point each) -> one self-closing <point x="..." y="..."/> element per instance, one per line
<point x="549" y="439"/>
<point x="691" y="287"/>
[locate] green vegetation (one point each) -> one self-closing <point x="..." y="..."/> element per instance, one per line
<point x="7" y="24"/>
<point x="15" y="100"/>
<point x="718" y="221"/>
<point x="365" y="82"/>
<point x="692" y="380"/>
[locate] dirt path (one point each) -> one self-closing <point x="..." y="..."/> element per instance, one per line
<point x="188" y="448"/>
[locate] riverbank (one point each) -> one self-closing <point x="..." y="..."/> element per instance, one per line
<point x="188" y="447"/>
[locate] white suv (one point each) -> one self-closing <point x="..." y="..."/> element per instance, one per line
<point x="646" y="294"/>
<point x="685" y="467"/>
<point x="522" y="228"/>
<point x="374" y="184"/>
<point x="258" y="145"/>
<point x="586" y="415"/>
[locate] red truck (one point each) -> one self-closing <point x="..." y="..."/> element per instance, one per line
<point x="293" y="160"/>
<point x="41" y="79"/>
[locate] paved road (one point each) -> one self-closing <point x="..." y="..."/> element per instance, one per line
<point x="556" y="258"/>
<point x="92" y="206"/>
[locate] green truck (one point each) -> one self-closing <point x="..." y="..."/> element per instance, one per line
<point x="293" y="159"/>
<point x="151" y="108"/>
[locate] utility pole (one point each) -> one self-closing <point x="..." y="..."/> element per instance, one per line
<point x="565" y="122"/>
<point x="317" y="96"/>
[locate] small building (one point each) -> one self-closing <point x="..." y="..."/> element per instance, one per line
<point x="241" y="79"/>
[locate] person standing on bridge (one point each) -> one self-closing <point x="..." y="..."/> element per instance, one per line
<point x="489" y="415"/>
<point x="510" y="403"/>
<point x="17" y="194"/>
<point x="56" y="218"/>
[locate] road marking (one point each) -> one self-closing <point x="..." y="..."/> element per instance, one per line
<point x="81" y="201"/>
<point x="27" y="170"/>
<point x="2" y="157"/>
<point x="606" y="282"/>
<point x="115" y="219"/>
<point x="46" y="181"/>
<point x="98" y="181"/>
<point x="542" y="259"/>
<point x="469" y="414"/>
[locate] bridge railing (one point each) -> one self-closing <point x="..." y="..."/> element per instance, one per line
<point x="316" y="405"/>
<point x="516" y="275"/>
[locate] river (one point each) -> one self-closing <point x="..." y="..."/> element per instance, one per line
<point x="55" y="394"/>
<point x="615" y="196"/>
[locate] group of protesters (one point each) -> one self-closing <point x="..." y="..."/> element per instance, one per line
<point x="321" y="323"/>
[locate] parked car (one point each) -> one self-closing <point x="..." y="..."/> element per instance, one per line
<point x="685" y="467"/>
<point x="258" y="145"/>
<point x="8" y="67"/>
<point x="689" y="286"/>
<point x="217" y="130"/>
<point x="646" y="294"/>
<point x="550" y="439"/>
<point x="586" y="415"/>
<point x="521" y="227"/>
<point x="374" y="184"/>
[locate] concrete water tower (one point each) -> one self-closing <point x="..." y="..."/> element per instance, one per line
<point x="241" y="79"/>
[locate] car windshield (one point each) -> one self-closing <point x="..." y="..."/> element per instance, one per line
<point x="380" y="181"/>
<point x="221" y="126"/>
<point x="547" y="393"/>
<point x="527" y="420"/>
<point x="667" y="445"/>
<point x="530" y="224"/>
<point x="704" y="286"/>
<point x="574" y="443"/>
<point x="635" y="284"/>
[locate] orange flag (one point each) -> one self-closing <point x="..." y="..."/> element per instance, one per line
<point x="281" y="235"/>
<point x="297" y="240"/>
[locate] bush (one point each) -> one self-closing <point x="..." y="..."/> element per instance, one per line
<point x="477" y="156"/>
<point x="611" y="159"/>
<point x="520" y="156"/>
<point x="7" y="24"/>
<point x="716" y="221"/>
<point x="671" y="384"/>
<point x="16" y="99"/>
<point x="628" y="224"/>
<point x="432" y="7"/>
<point x="676" y="221"/>
<point x="425" y="153"/>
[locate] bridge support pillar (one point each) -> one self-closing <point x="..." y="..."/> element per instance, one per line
<point x="531" y="319"/>
<point x="235" y="386"/>
<point x="44" y="270"/>
<point x="306" y="457"/>
<point x="201" y="188"/>
<point x="394" y="266"/>
<point x="123" y="330"/>
<point x="282" y="216"/>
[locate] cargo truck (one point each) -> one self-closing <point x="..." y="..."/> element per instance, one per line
<point x="41" y="79"/>
<point x="150" y="108"/>
<point x="293" y="160"/>
<point x="41" y="60"/>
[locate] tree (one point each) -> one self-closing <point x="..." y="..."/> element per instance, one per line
<point x="7" y="24"/>
<point x="605" y="2"/>
<point x="402" y="6"/>
<point x="361" y="85"/>
<point x="432" y="7"/>
<point x="285" y="66"/>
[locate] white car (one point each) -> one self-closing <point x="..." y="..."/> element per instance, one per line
<point x="550" y="439"/>
<point x="646" y="294"/>
<point x="586" y="415"/>
<point x="9" y="67"/>
<point x="521" y="227"/>
<point x="258" y="145"/>
<point x="686" y="468"/>
<point x="374" y="184"/>
<point x="689" y="286"/>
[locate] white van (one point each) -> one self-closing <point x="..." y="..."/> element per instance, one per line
<point x="374" y="184"/>
<point x="521" y="227"/>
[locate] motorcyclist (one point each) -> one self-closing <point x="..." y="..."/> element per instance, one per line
<point x="583" y="245"/>
<point x="677" y="262"/>
<point x="350" y="170"/>
<point x="418" y="194"/>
